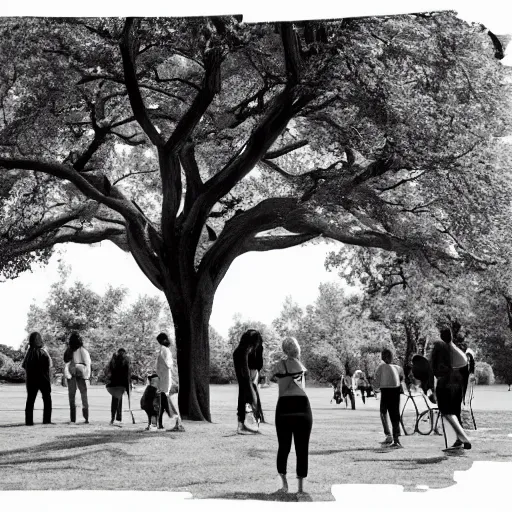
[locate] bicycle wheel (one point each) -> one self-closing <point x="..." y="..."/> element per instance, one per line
<point x="408" y="418"/>
<point x="426" y="422"/>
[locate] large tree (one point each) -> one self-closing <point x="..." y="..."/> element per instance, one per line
<point x="189" y="142"/>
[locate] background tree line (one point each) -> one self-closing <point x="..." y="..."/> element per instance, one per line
<point x="343" y="330"/>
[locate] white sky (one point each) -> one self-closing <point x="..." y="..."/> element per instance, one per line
<point x="256" y="284"/>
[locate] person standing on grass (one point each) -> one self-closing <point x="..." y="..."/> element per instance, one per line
<point x="37" y="365"/>
<point x="388" y="379"/>
<point x="169" y="403"/>
<point x="449" y="388"/>
<point x="347" y="389"/>
<point x="362" y="385"/>
<point x="293" y="413"/>
<point x="78" y="373"/>
<point x="118" y="382"/>
<point x="248" y="362"/>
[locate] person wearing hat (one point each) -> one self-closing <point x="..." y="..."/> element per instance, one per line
<point x="37" y="365"/>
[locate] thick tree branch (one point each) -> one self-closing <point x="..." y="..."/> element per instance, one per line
<point x="128" y="50"/>
<point x="180" y="80"/>
<point x="132" y="174"/>
<point x="56" y="223"/>
<point x="266" y="215"/>
<point x="211" y="86"/>
<point x="193" y="177"/>
<point x="271" y="243"/>
<point x="15" y="249"/>
<point x="270" y="155"/>
<point x="79" y="180"/>
<point x="291" y="52"/>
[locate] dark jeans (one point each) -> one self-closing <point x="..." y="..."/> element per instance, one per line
<point x="293" y="420"/>
<point x="116" y="408"/>
<point x="33" y="387"/>
<point x="390" y="403"/>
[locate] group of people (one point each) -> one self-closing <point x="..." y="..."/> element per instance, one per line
<point x="159" y="397"/>
<point x="450" y="367"/>
<point x="293" y="416"/>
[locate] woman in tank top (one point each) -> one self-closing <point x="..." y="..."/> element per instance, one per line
<point x="293" y="413"/>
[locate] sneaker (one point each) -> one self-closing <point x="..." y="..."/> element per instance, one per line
<point x="388" y="440"/>
<point x="178" y="428"/>
<point x="151" y="428"/>
<point x="457" y="444"/>
<point x="453" y="449"/>
<point x="395" y="444"/>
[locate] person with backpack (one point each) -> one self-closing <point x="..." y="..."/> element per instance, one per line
<point x="78" y="373"/>
<point x="37" y="365"/>
<point x="118" y="382"/>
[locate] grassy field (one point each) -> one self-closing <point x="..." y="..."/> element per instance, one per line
<point x="211" y="461"/>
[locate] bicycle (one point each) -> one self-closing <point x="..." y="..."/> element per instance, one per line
<point x="425" y="422"/>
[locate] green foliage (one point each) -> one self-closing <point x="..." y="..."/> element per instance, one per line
<point x="483" y="373"/>
<point x="221" y="359"/>
<point x="498" y="350"/>
<point x="335" y="333"/>
<point x="324" y="363"/>
<point x="10" y="370"/>
<point x="14" y="354"/>
<point x="105" y="322"/>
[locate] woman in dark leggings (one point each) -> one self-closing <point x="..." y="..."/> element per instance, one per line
<point x="293" y="413"/>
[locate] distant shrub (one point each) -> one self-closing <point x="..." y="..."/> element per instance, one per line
<point x="323" y="363"/>
<point x="484" y="374"/>
<point x="11" y="371"/>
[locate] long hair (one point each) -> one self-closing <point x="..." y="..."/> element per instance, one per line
<point x="75" y="341"/>
<point x="35" y="340"/>
<point x="251" y="343"/>
<point x="119" y="358"/>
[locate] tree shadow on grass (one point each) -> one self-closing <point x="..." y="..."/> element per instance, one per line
<point x="52" y="460"/>
<point x="74" y="441"/>
<point x="10" y="425"/>
<point x="264" y="496"/>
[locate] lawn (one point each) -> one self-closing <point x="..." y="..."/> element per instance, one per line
<point x="211" y="461"/>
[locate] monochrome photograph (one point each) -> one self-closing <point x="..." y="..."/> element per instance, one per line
<point x="254" y="257"/>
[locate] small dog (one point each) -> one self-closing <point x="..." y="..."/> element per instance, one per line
<point x="150" y="401"/>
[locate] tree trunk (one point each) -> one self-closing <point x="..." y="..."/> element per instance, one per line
<point x="193" y="359"/>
